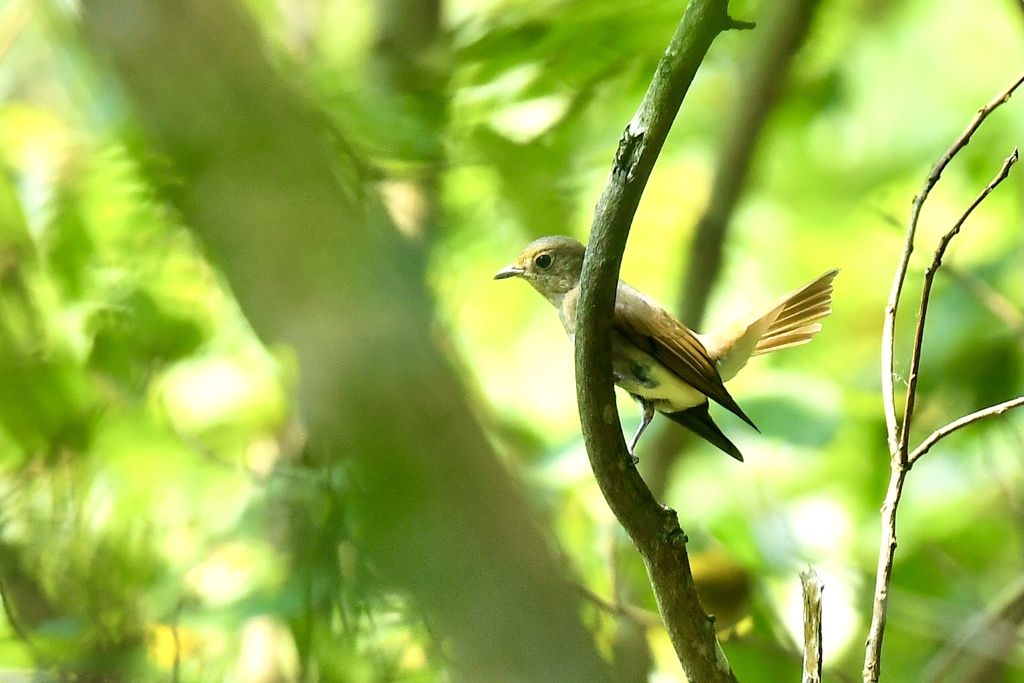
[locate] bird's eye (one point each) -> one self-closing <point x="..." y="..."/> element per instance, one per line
<point x="543" y="261"/>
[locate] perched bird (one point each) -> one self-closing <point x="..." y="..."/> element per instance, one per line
<point x="658" y="360"/>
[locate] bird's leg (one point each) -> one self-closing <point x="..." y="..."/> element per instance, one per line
<point x="648" y="414"/>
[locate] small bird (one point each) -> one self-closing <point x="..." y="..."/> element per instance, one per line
<point x="660" y="362"/>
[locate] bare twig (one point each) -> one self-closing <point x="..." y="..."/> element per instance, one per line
<point x="812" y="588"/>
<point x="955" y="425"/>
<point x="899" y="463"/>
<point x="899" y="434"/>
<point x="889" y="328"/>
<point x="653" y="528"/>
<point x="997" y="303"/>
<point x="922" y="311"/>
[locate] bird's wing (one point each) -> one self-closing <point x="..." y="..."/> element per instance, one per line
<point x="654" y="331"/>
<point x="698" y="420"/>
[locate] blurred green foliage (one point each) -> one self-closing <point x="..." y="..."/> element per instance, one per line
<point x="159" y="518"/>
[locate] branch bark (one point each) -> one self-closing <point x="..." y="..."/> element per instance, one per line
<point x="653" y="528"/>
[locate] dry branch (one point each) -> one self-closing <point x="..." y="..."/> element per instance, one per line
<point x="922" y="311"/>
<point x="889" y="328"/>
<point x="899" y="433"/>
<point x="812" y="589"/>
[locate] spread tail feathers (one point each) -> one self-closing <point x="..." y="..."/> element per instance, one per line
<point x="797" y="322"/>
<point x="790" y="320"/>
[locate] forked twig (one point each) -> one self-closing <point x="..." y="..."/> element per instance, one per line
<point x="926" y="291"/>
<point x="889" y="329"/>
<point x="899" y="433"/>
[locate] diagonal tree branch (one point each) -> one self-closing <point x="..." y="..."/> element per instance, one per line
<point x="997" y="303"/>
<point x="994" y="631"/>
<point x="653" y="528"/>
<point x="781" y="36"/>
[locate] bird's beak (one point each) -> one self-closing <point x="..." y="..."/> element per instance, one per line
<point x="508" y="271"/>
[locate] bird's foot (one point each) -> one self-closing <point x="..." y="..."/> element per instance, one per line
<point x="647" y="410"/>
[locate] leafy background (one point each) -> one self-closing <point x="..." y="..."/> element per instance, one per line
<point x="168" y="511"/>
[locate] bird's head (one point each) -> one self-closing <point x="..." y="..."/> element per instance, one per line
<point x="551" y="264"/>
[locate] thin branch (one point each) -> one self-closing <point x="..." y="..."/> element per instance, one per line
<point x="812" y="589"/>
<point x="653" y="528"/>
<point x="922" y="311"/>
<point x="889" y="328"/>
<point x="763" y="80"/>
<point x="13" y="621"/>
<point x="943" y="432"/>
<point x="883" y="571"/>
<point x="631" y="654"/>
<point x="898" y="435"/>
<point x="996" y="302"/>
<point x="13" y="20"/>
<point x="899" y="463"/>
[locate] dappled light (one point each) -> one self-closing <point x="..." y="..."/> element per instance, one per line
<point x="266" y="416"/>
